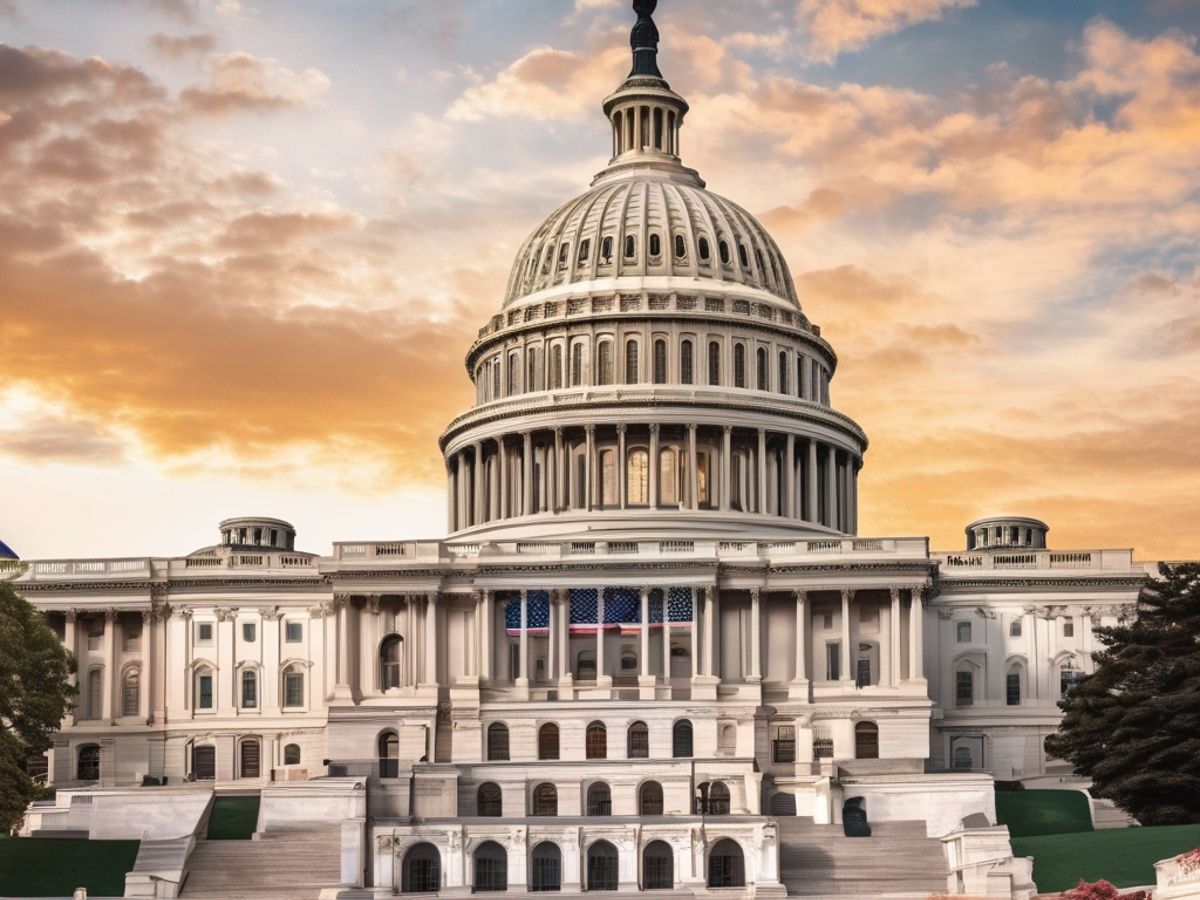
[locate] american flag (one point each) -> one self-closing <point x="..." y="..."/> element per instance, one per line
<point x="538" y="614"/>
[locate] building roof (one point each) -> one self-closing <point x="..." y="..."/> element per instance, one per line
<point x="6" y="552"/>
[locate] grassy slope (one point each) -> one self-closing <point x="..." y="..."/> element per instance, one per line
<point x="233" y="818"/>
<point x="1124" y="856"/>
<point x="47" y="867"/>
<point x="1028" y="813"/>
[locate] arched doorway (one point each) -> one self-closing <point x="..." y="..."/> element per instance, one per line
<point x="658" y="867"/>
<point x="726" y="865"/>
<point x="546" y="871"/>
<point x="602" y="867"/>
<point x="548" y="741"/>
<point x="718" y="798"/>
<point x="249" y="757"/>
<point x="88" y="767"/>
<point x="681" y="740"/>
<point x="491" y="867"/>
<point x="866" y="740"/>
<point x="422" y="871"/>
<point x="204" y="762"/>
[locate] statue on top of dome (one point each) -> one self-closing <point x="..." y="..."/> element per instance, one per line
<point x="644" y="40"/>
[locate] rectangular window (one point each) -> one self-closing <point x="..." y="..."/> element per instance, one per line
<point x="964" y="632"/>
<point x="293" y="689"/>
<point x="249" y="690"/>
<point x="827" y="621"/>
<point x="1068" y="627"/>
<point x="863" y="676"/>
<point x="130" y="701"/>
<point x="1014" y="628"/>
<point x="833" y="661"/>
<point x="294" y="632"/>
<point x="785" y="744"/>
<point x="204" y="632"/>
<point x="1014" y="689"/>
<point x="133" y="636"/>
<point x="964" y="688"/>
<point x="248" y="634"/>
<point x="204" y="691"/>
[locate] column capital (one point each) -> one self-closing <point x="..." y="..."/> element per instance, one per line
<point x="894" y="590"/>
<point x="226" y="613"/>
<point x="645" y="593"/>
<point x="373" y="604"/>
<point x="147" y="616"/>
<point x="340" y="601"/>
<point x="755" y="594"/>
<point x="848" y="594"/>
<point x="590" y="428"/>
<point x="185" y="612"/>
<point x="621" y="427"/>
<point x="432" y="597"/>
<point x="918" y="592"/>
<point x="692" y="426"/>
<point x="274" y="614"/>
<point x="654" y="427"/>
<point x="72" y="615"/>
<point x="800" y="595"/>
<point x="110" y="614"/>
<point x="728" y="429"/>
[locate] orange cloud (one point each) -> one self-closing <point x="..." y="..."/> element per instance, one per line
<point x="839" y="26"/>
<point x="182" y="46"/>
<point x="240" y="82"/>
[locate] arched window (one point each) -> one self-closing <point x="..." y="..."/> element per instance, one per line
<point x="606" y="250"/>
<point x="705" y="250"/>
<point x="638" y="477"/>
<point x="727" y="742"/>
<point x="743" y="256"/>
<point x="1014" y="628"/>
<point x="548" y="741"/>
<point x="389" y="755"/>
<point x="556" y="368"/>
<point x="514" y="374"/>
<point x="602" y="867"/>
<point x="660" y="362"/>
<point x="204" y="762"/>
<point x="1012" y="686"/>
<point x="390" y="661"/>
<point x="533" y="379"/>
<point x="249" y="756"/>
<point x="739" y="365"/>
<point x="585" y="251"/>
<point x="632" y="373"/>
<point x="599" y="799"/>
<point x="630" y="247"/>
<point x="497" y="743"/>
<point x="293" y="687"/>
<point x="668" y="477"/>
<point x="658" y="867"/>
<point x="609" y="488"/>
<point x="291" y="755"/>
<point x="604" y="363"/>
<point x="681" y="740"/>
<point x="685" y="363"/>
<point x="964" y="685"/>
<point x="650" y="799"/>
<point x="714" y="363"/>
<point x="547" y="868"/>
<point x="638" y="741"/>
<point x="496" y="378"/>
<point x="130" y="693"/>
<point x="577" y="364"/>
<point x="422" y="871"/>
<point x="718" y="798"/>
<point x="655" y="246"/>
<point x="249" y="689"/>
<point x="545" y="800"/>
<point x="724" y="250"/>
<point x="783" y="373"/>
<point x="866" y="740"/>
<point x="95" y="694"/>
<point x="763" y="373"/>
<point x="489" y="801"/>
<point x="204" y="689"/>
<point x="596" y="741"/>
<point x="680" y="246"/>
<point x="88" y="766"/>
<point x="491" y="867"/>
<point x="726" y="865"/>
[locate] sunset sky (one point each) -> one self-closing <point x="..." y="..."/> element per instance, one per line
<point x="245" y="244"/>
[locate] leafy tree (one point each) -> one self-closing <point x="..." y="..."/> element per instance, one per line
<point x="1133" y="726"/>
<point x="35" y="694"/>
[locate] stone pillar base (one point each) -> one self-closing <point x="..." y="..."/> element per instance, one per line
<point x="343" y="692"/>
<point x="704" y="687"/>
<point x="647" y="689"/>
<point x="798" y="690"/>
<point x="521" y="689"/>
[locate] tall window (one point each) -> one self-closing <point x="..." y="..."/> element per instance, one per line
<point x="685" y="363"/>
<point x="650" y="799"/>
<point x="739" y="365"/>
<point x="291" y="755"/>
<point x="1013" y="688"/>
<point x="489" y="803"/>
<point x="964" y="688"/>
<point x="681" y="740"/>
<point x="576" y="364"/>
<point x="705" y="249"/>
<point x="130" y="693"/>
<point x="783" y="373"/>
<point x="599" y="799"/>
<point x="204" y="689"/>
<point x="604" y="363"/>
<point x="833" y="661"/>
<point x="556" y="370"/>
<point x="545" y="800"/>
<point x="785" y="744"/>
<point x="655" y="245"/>
<point x="630" y="247"/>
<point x="88" y="768"/>
<point x="596" y="741"/>
<point x="497" y="741"/>
<point x="639" y="741"/>
<point x="95" y="694"/>
<point x="714" y="363"/>
<point x="514" y="374"/>
<point x="638" y="477"/>
<point x="724" y="251"/>
<point x="680" y="246"/>
<point x="718" y="799"/>
<point x="668" y="477"/>
<point x="658" y="867"/>
<point x="389" y="662"/>
<point x="606" y="249"/>
<point x="764" y="376"/>
<point x="1014" y="628"/>
<point x="866" y="740"/>
<point x="249" y="689"/>
<point x="1068" y="627"/>
<point x="248" y="632"/>
<point x="533" y="380"/>
<point x="660" y="362"/>
<point x="800" y="377"/>
<point x="632" y="374"/>
<point x="548" y="741"/>
<point x="293" y="688"/>
<point x="964" y="632"/>
<point x="389" y="755"/>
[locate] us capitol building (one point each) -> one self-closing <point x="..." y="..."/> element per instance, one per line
<point x="654" y="650"/>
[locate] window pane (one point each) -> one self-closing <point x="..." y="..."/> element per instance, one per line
<point x="1014" y="688"/>
<point x="638" y="477"/>
<point x="964" y="692"/>
<point x="205" y="692"/>
<point x="964" y="632"/>
<point x="295" y="632"/>
<point x="293" y="689"/>
<point x="248" y="632"/>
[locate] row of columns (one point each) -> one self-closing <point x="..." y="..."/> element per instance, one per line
<point x="111" y="696"/>
<point x="477" y="496"/>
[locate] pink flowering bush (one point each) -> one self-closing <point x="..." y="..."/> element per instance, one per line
<point x="1190" y="861"/>
<point x="1102" y="890"/>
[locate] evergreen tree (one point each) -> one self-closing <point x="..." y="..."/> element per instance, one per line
<point x="35" y="694"/>
<point x="1133" y="726"/>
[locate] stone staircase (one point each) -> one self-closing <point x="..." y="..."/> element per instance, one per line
<point x="897" y="860"/>
<point x="291" y="864"/>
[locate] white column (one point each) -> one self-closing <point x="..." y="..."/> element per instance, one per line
<point x="755" y="674"/>
<point x="666" y="638"/>
<point x="110" y="663"/>
<point x="431" y="654"/>
<point x="527" y="476"/>
<point x="693" y="469"/>
<point x="847" y="596"/>
<point x="147" y="673"/>
<point x="710" y="631"/>
<point x="761" y="507"/>
<point x="695" y="654"/>
<point x="561" y="500"/>
<point x="71" y="642"/>
<point x="801" y="675"/>
<point x="589" y="496"/>
<point x="341" y="603"/>
<point x="916" y="636"/>
<point x="622" y="472"/>
<point x="602" y="677"/>
<point x="812" y="511"/>
<point x="789" y="478"/>
<point x="502" y="465"/>
<point x="564" y="637"/>
<point x="477" y="485"/>
<point x="486" y="637"/>
<point x="645" y="652"/>
<point x="831" y="485"/>
<point x="727" y="468"/>
<point x="895" y="638"/>
<point x="654" y="466"/>
<point x="523" y="665"/>
<point x="852" y="495"/>
<point x="451" y="497"/>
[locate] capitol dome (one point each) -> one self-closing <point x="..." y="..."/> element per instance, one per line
<point x="6" y="552"/>
<point x="650" y="371"/>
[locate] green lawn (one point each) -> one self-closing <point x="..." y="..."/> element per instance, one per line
<point x="233" y="818"/>
<point x="1030" y="813"/>
<point x="1123" y="856"/>
<point x="48" y="867"/>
